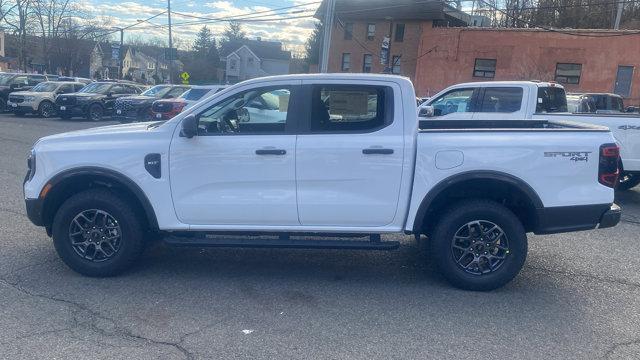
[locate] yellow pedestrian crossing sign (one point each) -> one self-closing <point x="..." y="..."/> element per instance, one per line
<point x="185" y="77"/>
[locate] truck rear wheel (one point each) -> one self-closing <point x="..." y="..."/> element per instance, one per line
<point x="479" y="245"/>
<point x="98" y="234"/>
<point x="628" y="181"/>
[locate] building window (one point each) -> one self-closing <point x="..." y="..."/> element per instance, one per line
<point x="346" y="62"/>
<point x="399" y="33"/>
<point x="568" y="73"/>
<point x="371" y="31"/>
<point x="367" y="63"/>
<point x="348" y="31"/>
<point x="485" y="68"/>
<point x="395" y="64"/>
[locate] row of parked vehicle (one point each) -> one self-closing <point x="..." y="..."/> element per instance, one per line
<point x="68" y="97"/>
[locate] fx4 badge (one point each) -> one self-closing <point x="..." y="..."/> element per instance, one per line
<point x="629" y="127"/>
<point x="574" y="156"/>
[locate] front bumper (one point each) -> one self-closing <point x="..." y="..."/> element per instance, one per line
<point x="23" y="107"/>
<point x="562" y="219"/>
<point x="34" y="211"/>
<point x="71" y="110"/>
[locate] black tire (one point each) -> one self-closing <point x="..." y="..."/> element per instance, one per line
<point x="628" y="181"/>
<point x="46" y="109"/>
<point x="131" y="241"/>
<point x="95" y="112"/>
<point x="455" y="219"/>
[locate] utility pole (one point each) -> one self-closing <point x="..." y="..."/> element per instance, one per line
<point x="170" y="43"/>
<point x="326" y="36"/>
<point x="121" y="60"/>
<point x="616" y="25"/>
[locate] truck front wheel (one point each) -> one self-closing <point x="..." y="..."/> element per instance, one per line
<point x="479" y="245"/>
<point x="96" y="233"/>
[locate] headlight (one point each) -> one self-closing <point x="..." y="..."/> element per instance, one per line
<point x="29" y="98"/>
<point x="31" y="164"/>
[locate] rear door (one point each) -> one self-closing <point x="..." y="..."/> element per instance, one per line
<point x="501" y="103"/>
<point x="350" y="154"/>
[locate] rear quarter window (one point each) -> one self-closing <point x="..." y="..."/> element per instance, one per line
<point x="551" y="100"/>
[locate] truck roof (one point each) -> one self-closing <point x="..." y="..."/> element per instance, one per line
<point x="531" y="83"/>
<point x="330" y="76"/>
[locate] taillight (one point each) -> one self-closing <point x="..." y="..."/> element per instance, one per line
<point x="608" y="169"/>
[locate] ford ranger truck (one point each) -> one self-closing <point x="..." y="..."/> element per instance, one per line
<point x="41" y="98"/>
<point x="534" y="100"/>
<point x="344" y="164"/>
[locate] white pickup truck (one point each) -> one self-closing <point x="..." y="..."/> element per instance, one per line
<point x="347" y="163"/>
<point x="534" y="100"/>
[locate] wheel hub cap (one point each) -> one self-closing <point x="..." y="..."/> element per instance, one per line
<point x="95" y="235"/>
<point x="480" y="247"/>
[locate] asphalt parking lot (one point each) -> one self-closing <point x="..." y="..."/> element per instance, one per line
<point x="576" y="298"/>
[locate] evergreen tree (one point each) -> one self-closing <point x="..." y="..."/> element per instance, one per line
<point x="234" y="32"/>
<point x="204" y="41"/>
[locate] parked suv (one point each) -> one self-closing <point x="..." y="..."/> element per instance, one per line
<point x="11" y="82"/>
<point x="138" y="108"/>
<point x="93" y="100"/>
<point x="41" y="98"/>
<point x="166" y="109"/>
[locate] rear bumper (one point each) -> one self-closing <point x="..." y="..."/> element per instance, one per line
<point x="562" y="219"/>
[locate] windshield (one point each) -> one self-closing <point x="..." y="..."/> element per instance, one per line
<point x="551" y="100"/>
<point x="5" y="78"/>
<point x="98" y="88"/>
<point x="195" y="94"/>
<point x="45" y="87"/>
<point x="157" y="91"/>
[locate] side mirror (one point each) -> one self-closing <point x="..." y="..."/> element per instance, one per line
<point x="189" y="126"/>
<point x="243" y="116"/>
<point x="427" y="111"/>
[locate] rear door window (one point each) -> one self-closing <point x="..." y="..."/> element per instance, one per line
<point x="501" y="100"/>
<point x="551" y="100"/>
<point x="342" y="108"/>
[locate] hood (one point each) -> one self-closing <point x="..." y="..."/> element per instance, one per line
<point x="138" y="98"/>
<point x="26" y="93"/>
<point x="115" y="132"/>
<point x="82" y="95"/>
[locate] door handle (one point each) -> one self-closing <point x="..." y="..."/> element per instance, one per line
<point x="271" y="152"/>
<point x="377" y="151"/>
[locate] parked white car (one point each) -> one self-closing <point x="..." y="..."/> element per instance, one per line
<point x="41" y="98"/>
<point x="355" y="165"/>
<point x="533" y="100"/>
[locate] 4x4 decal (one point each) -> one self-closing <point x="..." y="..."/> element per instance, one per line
<point x="629" y="127"/>
<point x="574" y="156"/>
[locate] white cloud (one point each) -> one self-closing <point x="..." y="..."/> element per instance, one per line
<point x="292" y="32"/>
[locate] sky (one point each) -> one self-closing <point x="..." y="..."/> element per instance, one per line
<point x="291" y="32"/>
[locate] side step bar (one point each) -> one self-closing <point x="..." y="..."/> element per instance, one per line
<point x="284" y="243"/>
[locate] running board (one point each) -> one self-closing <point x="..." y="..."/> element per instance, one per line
<point x="283" y="243"/>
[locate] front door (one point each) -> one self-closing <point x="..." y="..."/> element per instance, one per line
<point x="457" y="104"/>
<point x="350" y="157"/>
<point x="240" y="168"/>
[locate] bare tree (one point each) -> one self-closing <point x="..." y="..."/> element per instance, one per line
<point x="19" y="18"/>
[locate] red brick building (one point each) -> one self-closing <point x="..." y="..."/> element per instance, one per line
<point x="437" y="50"/>
<point x="360" y="27"/>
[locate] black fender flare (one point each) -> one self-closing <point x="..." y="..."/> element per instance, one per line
<point x="112" y="175"/>
<point x="472" y="175"/>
